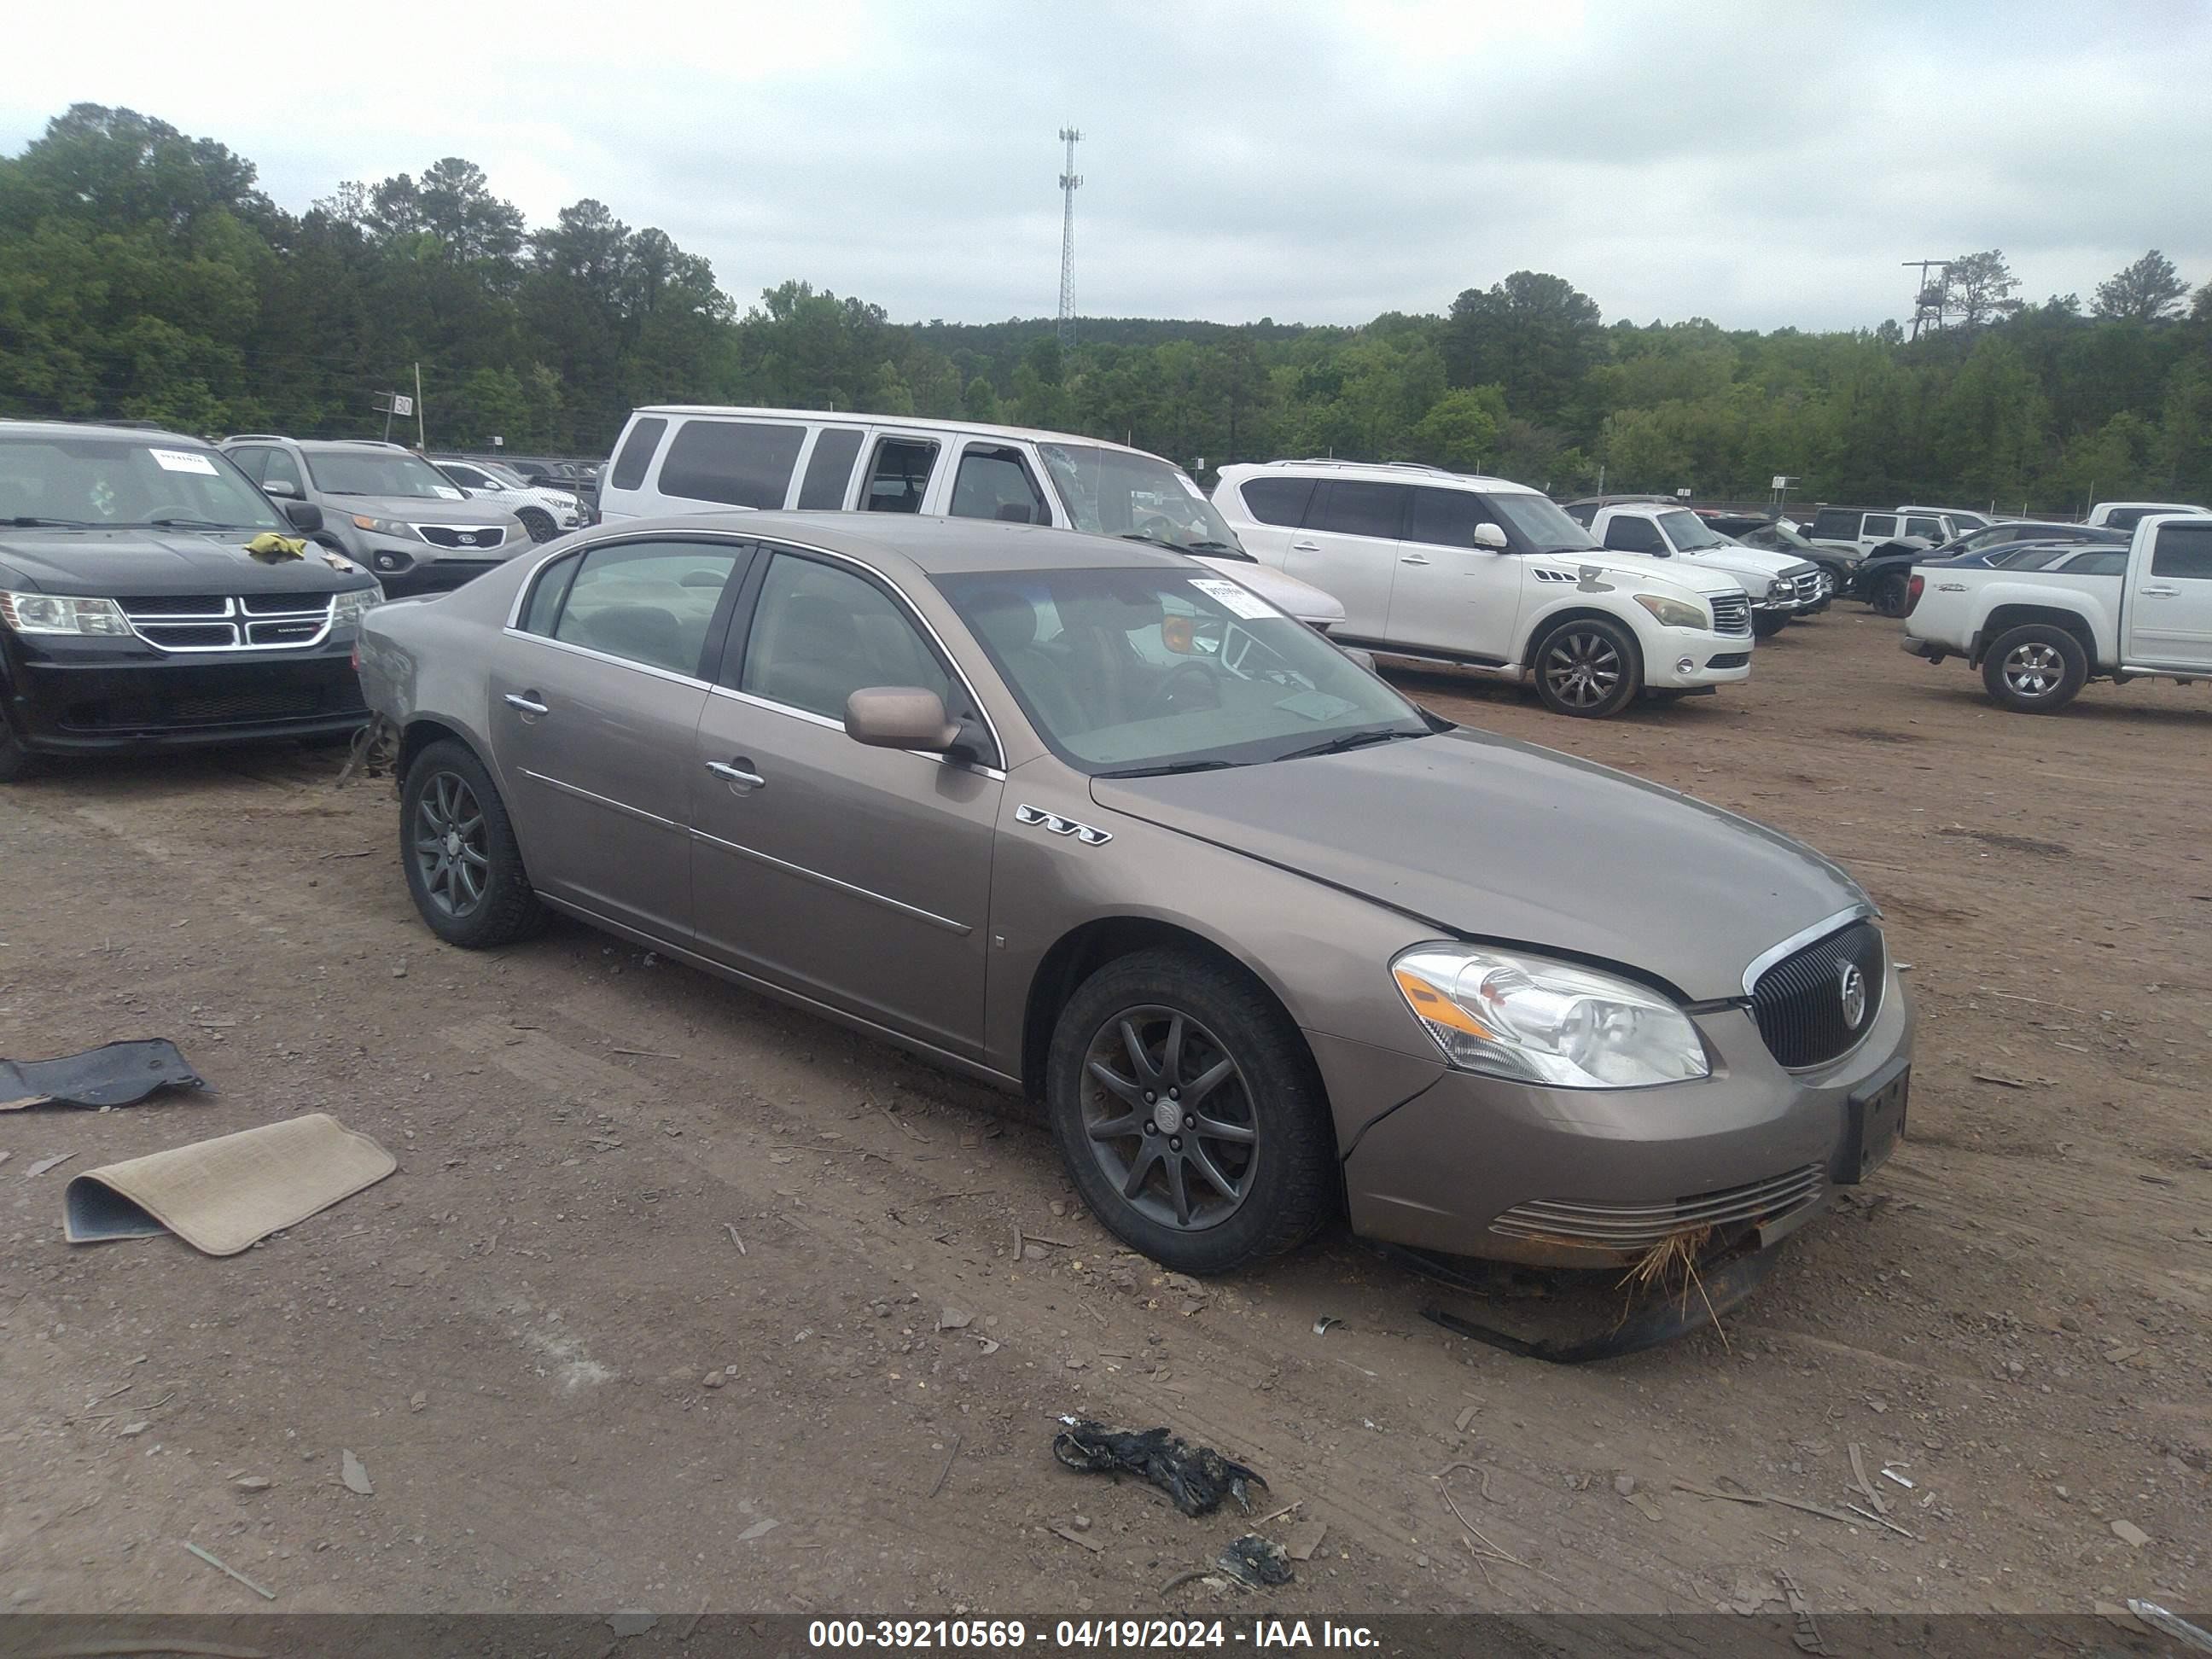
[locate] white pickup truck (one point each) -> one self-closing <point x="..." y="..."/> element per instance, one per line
<point x="2141" y="611"/>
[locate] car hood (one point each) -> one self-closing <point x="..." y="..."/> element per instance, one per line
<point x="1488" y="838"/>
<point x="1588" y="564"/>
<point x="1282" y="590"/>
<point x="1749" y="559"/>
<point x="414" y="509"/>
<point x="119" y="563"/>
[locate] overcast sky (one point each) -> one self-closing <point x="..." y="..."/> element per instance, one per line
<point x="1759" y="165"/>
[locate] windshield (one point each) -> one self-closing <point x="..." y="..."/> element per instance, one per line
<point x="1541" y="521"/>
<point x="378" y="472"/>
<point x="1775" y="538"/>
<point x="504" y="473"/>
<point x="1113" y="492"/>
<point x="1136" y="670"/>
<point x="98" y="482"/>
<point x="1689" y="532"/>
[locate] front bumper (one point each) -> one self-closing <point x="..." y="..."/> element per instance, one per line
<point x="413" y="567"/>
<point x="1682" y="659"/>
<point x="1477" y="1166"/>
<point x="93" y="701"/>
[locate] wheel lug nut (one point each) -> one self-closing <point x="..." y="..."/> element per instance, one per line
<point x="1175" y="1094"/>
<point x="1176" y="1144"/>
<point x="1151" y="1099"/>
<point x="1190" y="1123"/>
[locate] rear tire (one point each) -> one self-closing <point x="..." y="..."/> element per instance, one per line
<point x="1588" y="667"/>
<point x="1250" y="1169"/>
<point x="2034" y="670"/>
<point x="457" y="844"/>
<point x="1892" y="592"/>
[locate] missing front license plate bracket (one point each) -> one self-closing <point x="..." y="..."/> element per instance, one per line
<point x="1875" y="1123"/>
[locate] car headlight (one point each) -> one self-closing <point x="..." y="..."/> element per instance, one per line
<point x="1672" y="613"/>
<point x="60" y="613"/>
<point x="353" y="605"/>
<point x="406" y="532"/>
<point x="1546" y="1022"/>
<point x="1778" y="589"/>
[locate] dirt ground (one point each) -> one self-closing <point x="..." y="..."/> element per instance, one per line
<point x="651" y="1315"/>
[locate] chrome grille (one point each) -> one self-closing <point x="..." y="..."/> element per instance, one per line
<point x="257" y="621"/>
<point x="478" y="536"/>
<point x="1640" y="1226"/>
<point x="1732" y="615"/>
<point x="1807" y="587"/>
<point x="1800" y="1002"/>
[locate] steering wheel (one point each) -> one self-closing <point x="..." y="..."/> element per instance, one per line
<point x="1159" y="528"/>
<point x="171" y="510"/>
<point x="1167" y="696"/>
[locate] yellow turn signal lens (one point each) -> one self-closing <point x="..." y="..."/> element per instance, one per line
<point x="1438" y="1009"/>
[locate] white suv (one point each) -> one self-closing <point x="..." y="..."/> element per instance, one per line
<point x="1490" y="576"/>
<point x="1782" y="587"/>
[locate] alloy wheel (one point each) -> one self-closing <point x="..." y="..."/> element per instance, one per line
<point x="1169" y="1117"/>
<point x="2034" y="668"/>
<point x="1581" y="667"/>
<point x="450" y="849"/>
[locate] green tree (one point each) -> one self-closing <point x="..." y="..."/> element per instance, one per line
<point x="1533" y="334"/>
<point x="2148" y="291"/>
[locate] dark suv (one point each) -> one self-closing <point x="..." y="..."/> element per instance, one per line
<point x="386" y="506"/>
<point x="133" y="615"/>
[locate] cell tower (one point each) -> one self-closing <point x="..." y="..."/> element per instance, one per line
<point x="1931" y="301"/>
<point x="1070" y="182"/>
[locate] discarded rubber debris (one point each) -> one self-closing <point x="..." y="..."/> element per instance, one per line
<point x="1256" y="1560"/>
<point x="1724" y="1287"/>
<point x="1196" y="1477"/>
<point x="113" y="1075"/>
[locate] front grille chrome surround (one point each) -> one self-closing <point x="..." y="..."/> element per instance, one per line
<point x="183" y="624"/>
<point x="1817" y="1004"/>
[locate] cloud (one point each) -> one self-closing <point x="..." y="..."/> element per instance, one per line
<point x="1316" y="163"/>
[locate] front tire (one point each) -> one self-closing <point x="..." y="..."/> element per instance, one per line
<point x="2034" y="670"/>
<point x="1190" y="1113"/>
<point x="1588" y="667"/>
<point x="539" y="523"/>
<point x="1766" y="624"/>
<point x="464" y="865"/>
<point x="15" y="760"/>
<point x="1892" y="592"/>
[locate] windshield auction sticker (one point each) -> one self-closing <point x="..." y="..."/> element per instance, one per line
<point x="182" y="460"/>
<point x="1231" y="598"/>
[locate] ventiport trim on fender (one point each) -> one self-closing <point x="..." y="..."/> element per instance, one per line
<point x="1060" y="826"/>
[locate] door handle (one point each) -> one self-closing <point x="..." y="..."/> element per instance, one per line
<point x="2160" y="593"/>
<point x="1305" y="547"/>
<point x="527" y="702"/>
<point x="738" y="774"/>
<point x="1413" y="558"/>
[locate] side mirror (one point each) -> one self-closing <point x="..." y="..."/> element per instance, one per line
<point x="306" y="516"/>
<point x="280" y="487"/>
<point x="1490" y="535"/>
<point x="899" y="717"/>
<point x="1362" y="659"/>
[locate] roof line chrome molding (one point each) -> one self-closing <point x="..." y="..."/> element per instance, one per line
<point x="1803" y="937"/>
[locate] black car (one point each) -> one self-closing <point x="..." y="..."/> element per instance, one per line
<point x="132" y="615"/>
<point x="1884" y="580"/>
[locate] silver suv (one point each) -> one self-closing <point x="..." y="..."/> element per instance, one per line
<point x="386" y="507"/>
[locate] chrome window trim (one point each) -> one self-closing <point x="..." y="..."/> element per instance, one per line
<point x="961" y="929"/>
<point x="1803" y="937"/>
<point x="574" y="649"/>
<point x="623" y="807"/>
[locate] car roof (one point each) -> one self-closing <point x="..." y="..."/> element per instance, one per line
<point x="931" y="545"/>
<point x="136" y="433"/>
<point x="862" y="417"/>
<point x="1379" y="472"/>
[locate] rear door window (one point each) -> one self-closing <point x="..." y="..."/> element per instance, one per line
<point x="830" y="468"/>
<point x="650" y="602"/>
<point x="1350" y="508"/>
<point x="742" y="463"/>
<point x="637" y="452"/>
<point x="2184" y="551"/>
<point x="1277" y="501"/>
<point x="1628" y="535"/>
<point x="899" y="477"/>
<point x="1883" y="525"/>
<point x="994" y="482"/>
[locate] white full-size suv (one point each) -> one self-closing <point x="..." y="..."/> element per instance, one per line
<point x="1490" y="576"/>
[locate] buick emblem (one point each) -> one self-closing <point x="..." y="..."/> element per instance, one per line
<point x="1850" y="990"/>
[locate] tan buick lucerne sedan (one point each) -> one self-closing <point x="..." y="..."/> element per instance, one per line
<point x="1090" y="821"/>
